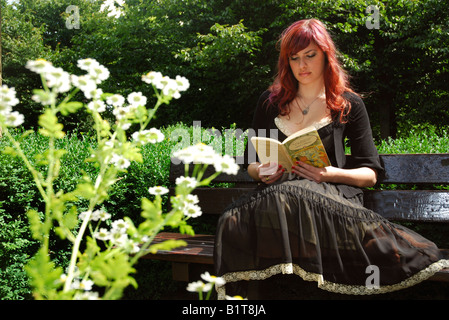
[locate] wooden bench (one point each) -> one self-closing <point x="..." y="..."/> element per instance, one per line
<point x="409" y="204"/>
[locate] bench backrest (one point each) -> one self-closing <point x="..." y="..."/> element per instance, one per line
<point x="409" y="201"/>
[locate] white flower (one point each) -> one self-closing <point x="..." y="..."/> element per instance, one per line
<point x="192" y="199"/>
<point x="199" y="153"/>
<point x="148" y="136"/>
<point x="58" y="79"/>
<point x="98" y="73"/>
<point x="116" y="100"/>
<point x="191" y="210"/>
<point x="183" y="83"/>
<point x="39" y="66"/>
<point x="137" y="99"/>
<point x="118" y="238"/>
<point x="170" y="88"/>
<point x="124" y="126"/>
<point x="189" y="182"/>
<point x="97" y="105"/>
<point x="84" y="83"/>
<point x="155" y="135"/>
<point x="152" y="77"/>
<point x="199" y="286"/>
<point x="100" y="214"/>
<point x="121" y="112"/>
<point x="226" y="164"/>
<point x="83" y="215"/>
<point x="102" y="234"/>
<point x="86" y="285"/>
<point x="87" y="64"/>
<point x="14" y="119"/>
<point x="120" y="226"/>
<point x="93" y="94"/>
<point x="5" y="109"/>
<point x="8" y="96"/>
<point x="158" y="190"/>
<point x="213" y="279"/>
<point x="120" y="161"/>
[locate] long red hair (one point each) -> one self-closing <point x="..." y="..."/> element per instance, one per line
<point x="295" y="38"/>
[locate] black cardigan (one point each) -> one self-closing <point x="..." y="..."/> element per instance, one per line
<point x="357" y="129"/>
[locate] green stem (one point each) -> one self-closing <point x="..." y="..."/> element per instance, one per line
<point x="29" y="166"/>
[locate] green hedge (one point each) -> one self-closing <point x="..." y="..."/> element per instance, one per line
<point x="18" y="194"/>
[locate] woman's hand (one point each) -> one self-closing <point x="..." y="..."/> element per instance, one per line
<point x="359" y="177"/>
<point x="269" y="172"/>
<point x="312" y="173"/>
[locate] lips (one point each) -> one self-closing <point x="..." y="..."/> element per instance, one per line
<point x="304" y="74"/>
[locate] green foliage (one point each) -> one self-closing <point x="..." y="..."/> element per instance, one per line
<point x="418" y="140"/>
<point x="228" y="50"/>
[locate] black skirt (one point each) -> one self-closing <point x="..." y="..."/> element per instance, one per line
<point x="311" y="230"/>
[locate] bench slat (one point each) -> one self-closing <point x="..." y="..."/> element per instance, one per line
<point x="415" y="168"/>
<point x="401" y="169"/>
<point x="199" y="249"/>
<point x="401" y="205"/>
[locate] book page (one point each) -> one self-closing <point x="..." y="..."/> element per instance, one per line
<point x="271" y="150"/>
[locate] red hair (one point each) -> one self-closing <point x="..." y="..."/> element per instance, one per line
<point x="295" y="38"/>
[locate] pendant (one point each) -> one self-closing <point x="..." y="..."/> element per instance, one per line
<point x="305" y="111"/>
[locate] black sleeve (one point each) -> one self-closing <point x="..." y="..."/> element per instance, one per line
<point x="358" y="130"/>
<point x="262" y="117"/>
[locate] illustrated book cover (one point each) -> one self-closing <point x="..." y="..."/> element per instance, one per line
<point x="304" y="145"/>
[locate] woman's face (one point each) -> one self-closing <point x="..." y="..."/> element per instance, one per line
<point x="308" y="65"/>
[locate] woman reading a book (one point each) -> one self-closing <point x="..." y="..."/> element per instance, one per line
<point x="310" y="221"/>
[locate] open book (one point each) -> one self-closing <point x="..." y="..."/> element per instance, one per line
<point x="304" y="145"/>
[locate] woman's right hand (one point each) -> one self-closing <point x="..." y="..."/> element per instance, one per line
<point x="270" y="172"/>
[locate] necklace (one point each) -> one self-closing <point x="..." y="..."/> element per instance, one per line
<point x="306" y="109"/>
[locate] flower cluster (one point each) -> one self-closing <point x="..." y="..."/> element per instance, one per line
<point x="205" y="154"/>
<point x="117" y="235"/>
<point x="188" y="205"/>
<point x="83" y="287"/>
<point x="169" y="87"/>
<point x="60" y="81"/>
<point x="200" y="286"/>
<point x="7" y="101"/>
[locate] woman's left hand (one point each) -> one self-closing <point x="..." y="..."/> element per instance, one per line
<point x="359" y="177"/>
<point x="309" y="172"/>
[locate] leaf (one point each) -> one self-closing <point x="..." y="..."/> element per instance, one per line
<point x="70" y="107"/>
<point x="150" y="210"/>
<point x="44" y="275"/>
<point x="36" y="226"/>
<point x="70" y="219"/>
<point x="50" y="126"/>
